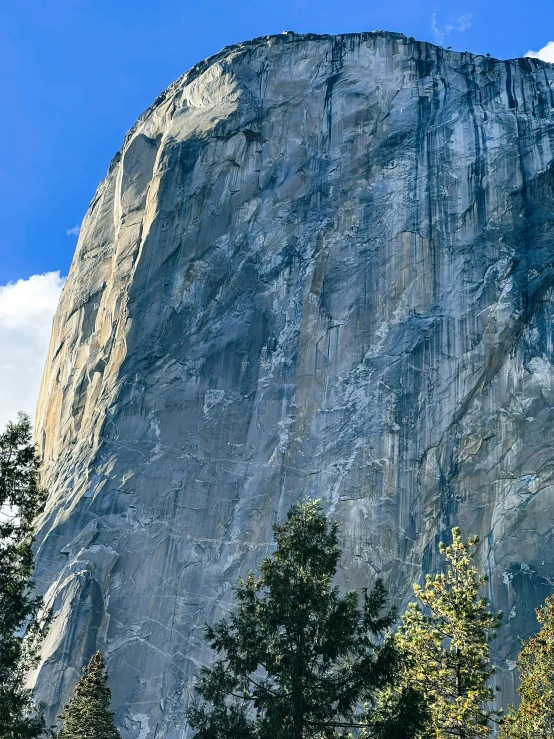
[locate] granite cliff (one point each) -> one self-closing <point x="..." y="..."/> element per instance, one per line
<point x="319" y="265"/>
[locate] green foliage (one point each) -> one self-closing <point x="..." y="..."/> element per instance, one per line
<point x="88" y="714"/>
<point x="446" y="646"/>
<point x="534" y="719"/>
<point x="398" y="711"/>
<point x="295" y="659"/>
<point x="21" y="632"/>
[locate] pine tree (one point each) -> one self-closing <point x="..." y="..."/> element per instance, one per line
<point x="534" y="719"/>
<point x="21" y="629"/>
<point x="398" y="711"/>
<point x="295" y="659"/>
<point x="88" y="714"/>
<point x="446" y="646"/>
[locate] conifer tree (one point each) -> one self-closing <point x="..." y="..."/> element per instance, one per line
<point x="88" y="714"/>
<point x="446" y="645"/>
<point x="295" y="659"/>
<point x="534" y="719"/>
<point x="21" y="628"/>
<point x="398" y="711"/>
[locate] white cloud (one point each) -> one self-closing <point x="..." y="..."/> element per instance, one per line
<point x="26" y="311"/>
<point x="73" y="231"/>
<point x="546" y="53"/>
<point x="461" y="23"/>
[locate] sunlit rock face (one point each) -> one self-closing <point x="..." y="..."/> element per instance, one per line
<point x="318" y="266"/>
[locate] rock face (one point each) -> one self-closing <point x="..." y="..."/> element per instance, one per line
<point x="318" y="266"/>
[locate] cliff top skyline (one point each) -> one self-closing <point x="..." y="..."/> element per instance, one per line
<point x="77" y="76"/>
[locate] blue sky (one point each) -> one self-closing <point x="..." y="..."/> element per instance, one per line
<point x="75" y="74"/>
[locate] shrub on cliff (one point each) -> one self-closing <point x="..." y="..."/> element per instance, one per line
<point x="295" y="659"/>
<point x="88" y="714"/>
<point x="21" y="630"/>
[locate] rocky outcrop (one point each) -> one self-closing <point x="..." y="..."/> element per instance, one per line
<point x="319" y="265"/>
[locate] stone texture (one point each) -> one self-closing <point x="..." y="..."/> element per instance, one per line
<point x="319" y="265"/>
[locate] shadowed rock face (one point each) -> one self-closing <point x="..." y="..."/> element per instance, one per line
<point x="318" y="266"/>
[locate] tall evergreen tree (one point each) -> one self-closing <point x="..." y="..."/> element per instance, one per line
<point x="397" y="711"/>
<point x="534" y="719"/>
<point x="445" y="638"/>
<point x="88" y="714"/>
<point x="21" y="632"/>
<point x="295" y="659"/>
